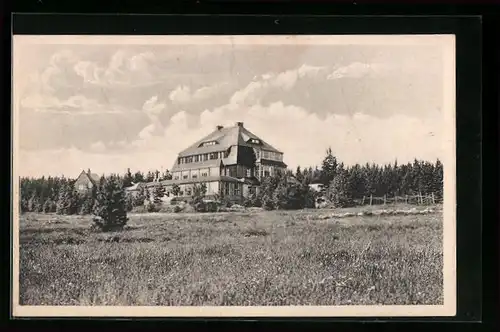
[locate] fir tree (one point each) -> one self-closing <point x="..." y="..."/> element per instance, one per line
<point x="338" y="190"/>
<point x="87" y="201"/>
<point x="110" y="205"/>
<point x="158" y="194"/>
<point x="67" y="202"/>
<point x="128" y="178"/>
<point x="329" y="168"/>
<point x="140" y="197"/>
<point x="176" y="189"/>
<point x="49" y="206"/>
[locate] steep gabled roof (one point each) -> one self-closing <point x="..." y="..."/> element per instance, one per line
<point x="224" y="138"/>
<point x="93" y="177"/>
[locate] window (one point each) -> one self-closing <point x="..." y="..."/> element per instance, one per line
<point x="254" y="141"/>
<point x="194" y="176"/>
<point x="205" y="157"/>
<point x="266" y="173"/>
<point x="265" y="154"/>
<point x="251" y="190"/>
<point x="237" y="189"/>
<point x="209" y="143"/>
<point x="249" y="172"/>
<point x="189" y="159"/>
<point x="214" y="155"/>
<point x="205" y="174"/>
<point x="185" y="177"/>
<point x="196" y="158"/>
<point x="188" y="191"/>
<point x="81" y="187"/>
<point x="176" y="178"/>
<point x="257" y="154"/>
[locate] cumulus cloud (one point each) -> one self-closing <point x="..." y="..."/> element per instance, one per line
<point x="356" y="70"/>
<point x="183" y="95"/>
<point x="301" y="135"/>
<point x="124" y="68"/>
<point x="253" y="92"/>
<point x="74" y="105"/>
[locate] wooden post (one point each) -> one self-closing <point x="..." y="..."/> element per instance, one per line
<point x="433" y="200"/>
<point x="371" y="199"/>
<point x="395" y="199"/>
<point x="363" y="201"/>
<point x="384" y="199"/>
<point x="406" y="199"/>
<point x="420" y="198"/>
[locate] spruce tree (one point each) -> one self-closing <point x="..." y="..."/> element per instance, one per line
<point x="110" y="205"/>
<point x="338" y="190"/>
<point x="67" y="202"/>
<point x="140" y="197"/>
<point x="127" y="178"/>
<point x="87" y="201"/>
<point x="328" y="169"/>
<point x="176" y="190"/>
<point x="158" y="194"/>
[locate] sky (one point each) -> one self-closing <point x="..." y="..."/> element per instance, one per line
<point x="113" y="105"/>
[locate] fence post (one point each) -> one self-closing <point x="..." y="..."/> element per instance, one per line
<point x="406" y="199"/>
<point x="371" y="199"/>
<point x="363" y="201"/>
<point x="384" y="199"/>
<point x="395" y="199"/>
<point x="433" y="200"/>
<point x="420" y="200"/>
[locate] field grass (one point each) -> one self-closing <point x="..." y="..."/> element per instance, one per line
<point x="247" y="258"/>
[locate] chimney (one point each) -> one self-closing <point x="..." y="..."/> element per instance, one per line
<point x="88" y="171"/>
<point x="239" y="124"/>
<point x="219" y="127"/>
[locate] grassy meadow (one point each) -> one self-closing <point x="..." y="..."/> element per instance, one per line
<point x="239" y="258"/>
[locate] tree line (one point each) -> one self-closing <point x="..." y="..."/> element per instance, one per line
<point x="340" y="184"/>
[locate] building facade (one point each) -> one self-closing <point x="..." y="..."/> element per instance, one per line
<point x="86" y="181"/>
<point x="231" y="162"/>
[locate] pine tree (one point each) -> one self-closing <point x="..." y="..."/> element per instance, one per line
<point x="158" y="194"/>
<point x="298" y="174"/>
<point x="67" y="202"/>
<point x="329" y="168"/>
<point x="34" y="204"/>
<point x="338" y="190"/>
<point x="140" y="197"/>
<point x="49" y="206"/>
<point x="128" y="178"/>
<point x="176" y="189"/>
<point x="166" y="176"/>
<point x="110" y="205"/>
<point x="87" y="201"/>
<point x="138" y="177"/>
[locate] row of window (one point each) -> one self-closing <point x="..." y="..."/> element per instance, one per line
<point x="195" y="176"/>
<point x="269" y="155"/>
<point x="202" y="157"/>
<point x="224" y="154"/>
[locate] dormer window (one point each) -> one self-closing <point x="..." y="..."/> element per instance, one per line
<point x="209" y="143"/>
<point x="254" y="141"/>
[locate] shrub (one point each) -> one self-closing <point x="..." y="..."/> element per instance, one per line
<point x="110" y="205"/>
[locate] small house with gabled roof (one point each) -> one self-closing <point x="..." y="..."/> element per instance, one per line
<point x="86" y="181"/>
<point x="230" y="161"/>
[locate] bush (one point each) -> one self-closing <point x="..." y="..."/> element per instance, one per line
<point x="110" y="207"/>
<point x="152" y="207"/>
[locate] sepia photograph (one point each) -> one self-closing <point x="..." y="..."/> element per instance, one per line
<point x="286" y="175"/>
